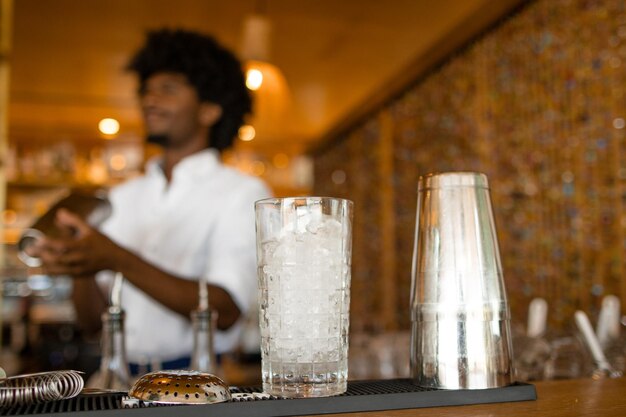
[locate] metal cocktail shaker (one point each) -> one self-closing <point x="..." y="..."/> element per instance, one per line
<point x="94" y="208"/>
<point x="459" y="311"/>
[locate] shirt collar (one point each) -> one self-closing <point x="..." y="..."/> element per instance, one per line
<point x="197" y="165"/>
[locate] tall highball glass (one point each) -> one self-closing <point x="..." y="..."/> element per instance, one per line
<point x="304" y="247"/>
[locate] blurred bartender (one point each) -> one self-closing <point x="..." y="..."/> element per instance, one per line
<point x="188" y="218"/>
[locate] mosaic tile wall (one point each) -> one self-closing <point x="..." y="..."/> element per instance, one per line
<point x="539" y="105"/>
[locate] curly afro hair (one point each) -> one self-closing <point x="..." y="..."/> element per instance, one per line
<point x="215" y="73"/>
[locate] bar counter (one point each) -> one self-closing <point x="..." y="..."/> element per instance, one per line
<point x="582" y="397"/>
<point x="566" y="398"/>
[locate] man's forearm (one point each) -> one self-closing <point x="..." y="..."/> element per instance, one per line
<point x="178" y="294"/>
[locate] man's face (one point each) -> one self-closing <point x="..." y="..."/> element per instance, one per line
<point x="171" y="109"/>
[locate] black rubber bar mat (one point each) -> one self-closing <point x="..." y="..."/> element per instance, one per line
<point x="361" y="396"/>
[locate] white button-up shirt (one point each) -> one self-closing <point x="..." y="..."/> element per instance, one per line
<point x="199" y="226"/>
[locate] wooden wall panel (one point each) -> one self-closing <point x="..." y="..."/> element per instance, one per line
<point x="537" y="103"/>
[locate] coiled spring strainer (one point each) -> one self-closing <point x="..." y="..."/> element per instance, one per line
<point x="40" y="387"/>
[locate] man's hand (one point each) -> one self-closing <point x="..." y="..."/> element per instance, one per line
<point x="82" y="251"/>
<point x="86" y="251"/>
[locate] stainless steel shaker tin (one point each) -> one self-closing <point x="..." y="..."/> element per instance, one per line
<point x="450" y="180"/>
<point x="94" y="208"/>
<point x="459" y="311"/>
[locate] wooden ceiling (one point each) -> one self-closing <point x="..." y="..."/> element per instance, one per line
<point x="68" y="57"/>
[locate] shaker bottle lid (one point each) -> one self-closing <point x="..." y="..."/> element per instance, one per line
<point x="452" y="180"/>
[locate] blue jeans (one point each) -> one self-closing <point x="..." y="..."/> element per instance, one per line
<point x="180" y="363"/>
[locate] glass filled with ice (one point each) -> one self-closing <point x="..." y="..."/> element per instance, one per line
<point x="304" y="247"/>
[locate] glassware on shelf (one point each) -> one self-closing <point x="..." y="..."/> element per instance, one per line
<point x="359" y="362"/>
<point x="603" y="368"/>
<point x="532" y="350"/>
<point x="608" y="332"/>
<point x="382" y="355"/>
<point x="568" y="358"/>
<point x="537" y="318"/>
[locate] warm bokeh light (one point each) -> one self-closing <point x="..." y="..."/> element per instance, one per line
<point x="272" y="101"/>
<point x="117" y="162"/>
<point x="247" y="133"/>
<point x="258" y="168"/>
<point x="254" y="79"/>
<point x="109" y="126"/>
<point x="9" y="217"/>
<point x="338" y="176"/>
<point x="280" y="160"/>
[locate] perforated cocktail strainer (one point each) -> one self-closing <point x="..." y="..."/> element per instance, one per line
<point x="180" y="387"/>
